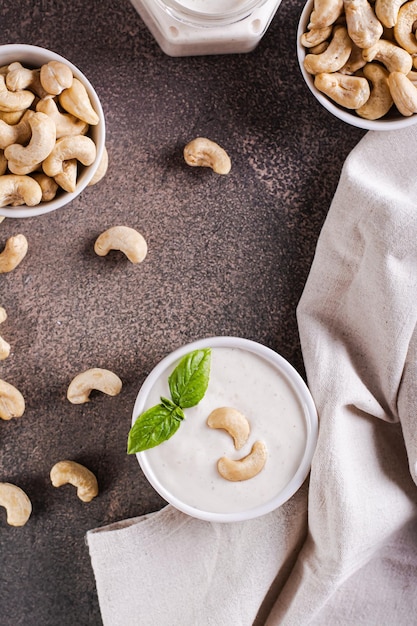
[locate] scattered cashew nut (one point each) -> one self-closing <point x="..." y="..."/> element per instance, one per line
<point x="202" y="152"/>
<point x="123" y="238"/>
<point x="17" y="504"/>
<point x="232" y="421"/>
<point x="70" y="472"/>
<point x="14" y="252"/>
<point x="4" y="346"/>
<point x="12" y="403"/>
<point x="95" y="378"/>
<point x="245" y="468"/>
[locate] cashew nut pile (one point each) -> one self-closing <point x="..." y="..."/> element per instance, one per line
<point x="45" y="117"/>
<point x="235" y="423"/>
<point x="363" y="55"/>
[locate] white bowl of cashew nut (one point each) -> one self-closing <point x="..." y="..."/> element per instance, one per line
<point x="224" y="429"/>
<point x="359" y="59"/>
<point x="52" y="132"/>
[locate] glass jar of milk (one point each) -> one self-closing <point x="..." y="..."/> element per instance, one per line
<point x="199" y="27"/>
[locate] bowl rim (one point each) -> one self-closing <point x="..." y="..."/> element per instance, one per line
<point x="18" y="52"/>
<point x="297" y="384"/>
<point x="335" y="109"/>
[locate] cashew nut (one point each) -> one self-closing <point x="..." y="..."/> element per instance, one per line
<point x="70" y="472"/>
<point x="14" y="100"/>
<point x="202" y="152"/>
<point x="392" y="56"/>
<point x="17" y="504"/>
<point x="47" y="184"/>
<point x="14" y="252"/>
<point x="102" y="168"/>
<point x="334" y="57"/>
<point x="355" y="61"/>
<point x="75" y="100"/>
<point x="78" y="147"/>
<point x="66" y="124"/>
<point x="12" y="117"/>
<point x="350" y="92"/>
<point x="380" y="101"/>
<point x="403" y="92"/>
<point x="325" y="13"/>
<point x="55" y="77"/>
<point x="4" y="346"/>
<point x="123" y="238"/>
<point x="12" y="403"/>
<point x="96" y="378"/>
<point x="16" y="190"/>
<point x="404" y="29"/>
<point x="25" y="159"/>
<point x="362" y="24"/>
<point x="387" y="11"/>
<point x="19" y="77"/>
<point x="245" y="468"/>
<point x="67" y="179"/>
<point x="15" y="133"/>
<point x="3" y="163"/>
<point x="316" y="36"/>
<point x="232" y="421"/>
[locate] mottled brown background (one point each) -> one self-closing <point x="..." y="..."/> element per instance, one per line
<point x="227" y="256"/>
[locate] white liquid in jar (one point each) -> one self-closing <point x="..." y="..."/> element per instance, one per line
<point x="213" y="7"/>
<point x="186" y="464"/>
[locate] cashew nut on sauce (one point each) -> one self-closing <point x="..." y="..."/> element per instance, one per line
<point x="202" y="152"/>
<point x="95" y="378"/>
<point x="245" y="468"/>
<point x="383" y="52"/>
<point x="123" y="238"/>
<point x="14" y="252"/>
<point x="232" y="421"/>
<point x="4" y="346"/>
<point x="17" y="504"/>
<point x="40" y="110"/>
<point x="70" y="472"/>
<point x="12" y="402"/>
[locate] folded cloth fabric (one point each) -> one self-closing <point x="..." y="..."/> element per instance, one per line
<point x="351" y="557"/>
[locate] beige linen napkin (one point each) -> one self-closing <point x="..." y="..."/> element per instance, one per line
<point x="358" y="561"/>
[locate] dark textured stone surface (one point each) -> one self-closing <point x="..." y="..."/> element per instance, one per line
<point x="227" y="255"/>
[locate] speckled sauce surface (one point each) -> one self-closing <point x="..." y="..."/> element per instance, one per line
<point x="227" y="255"/>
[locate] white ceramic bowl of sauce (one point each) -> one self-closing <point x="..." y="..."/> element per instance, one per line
<point x="34" y="57"/>
<point x="263" y="386"/>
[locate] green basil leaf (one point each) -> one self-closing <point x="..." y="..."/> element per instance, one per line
<point x="189" y="381"/>
<point x="154" y="426"/>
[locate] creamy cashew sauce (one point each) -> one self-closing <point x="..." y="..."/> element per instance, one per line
<point x="187" y="463"/>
